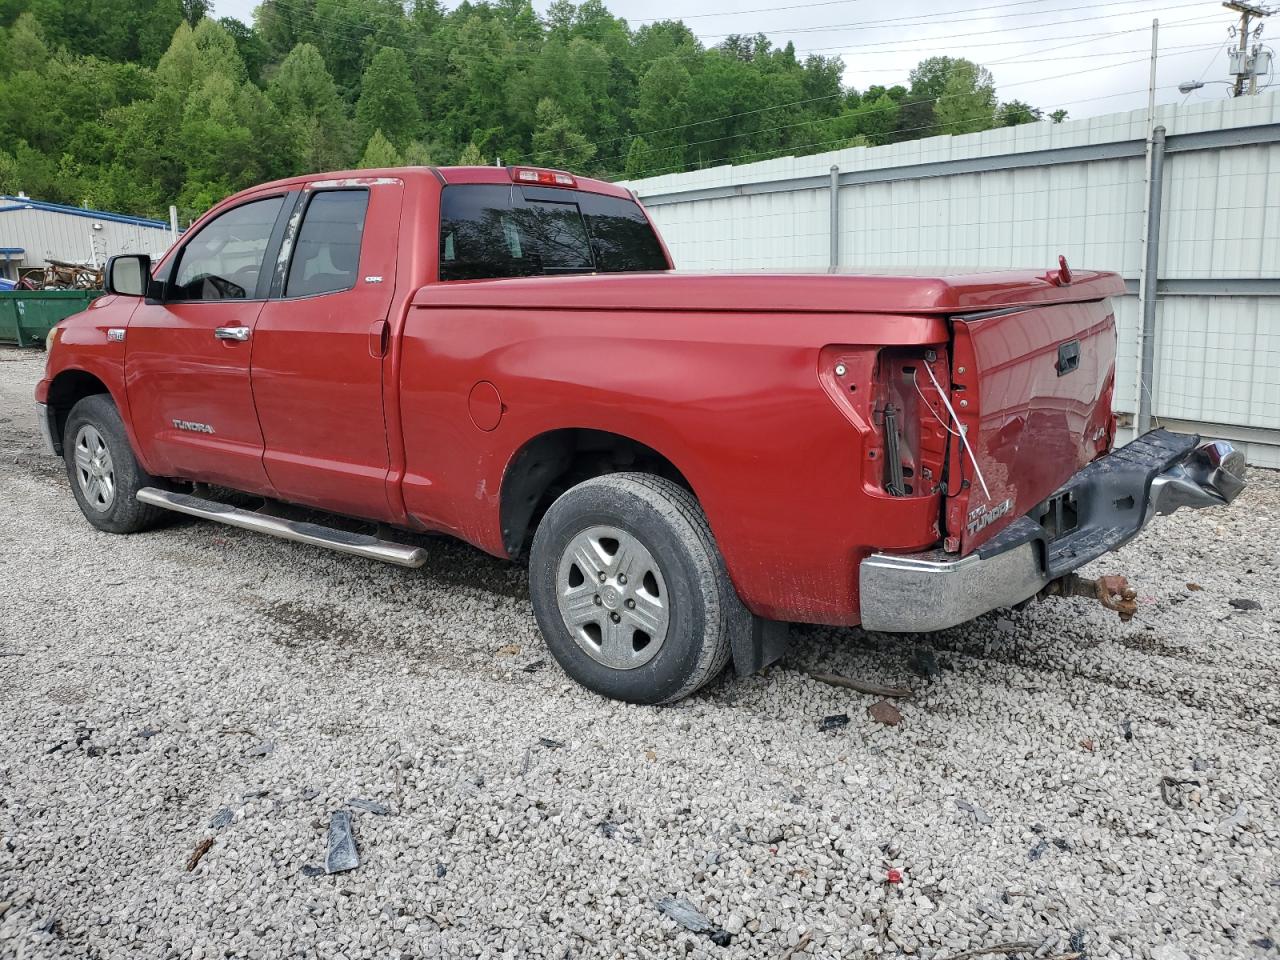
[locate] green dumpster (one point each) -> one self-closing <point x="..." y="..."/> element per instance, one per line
<point x="27" y="316"/>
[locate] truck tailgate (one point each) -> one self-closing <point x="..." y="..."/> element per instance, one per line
<point x="1032" y="390"/>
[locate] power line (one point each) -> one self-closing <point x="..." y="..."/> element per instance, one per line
<point x="801" y="103"/>
<point x="948" y="42"/>
<point x="931" y="19"/>
<point x="823" y="3"/>
<point x="1212" y="57"/>
<point x="813" y="120"/>
<point x="778" y="150"/>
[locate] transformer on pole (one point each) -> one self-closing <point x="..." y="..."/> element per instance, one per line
<point x="1245" y="63"/>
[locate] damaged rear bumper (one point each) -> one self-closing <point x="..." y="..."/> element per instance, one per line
<point x="1098" y="510"/>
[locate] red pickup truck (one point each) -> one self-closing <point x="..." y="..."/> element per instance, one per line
<point x="687" y="461"/>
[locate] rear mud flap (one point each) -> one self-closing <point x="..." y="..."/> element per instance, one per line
<point x="756" y="642"/>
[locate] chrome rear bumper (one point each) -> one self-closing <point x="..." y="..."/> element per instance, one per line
<point x="1116" y="497"/>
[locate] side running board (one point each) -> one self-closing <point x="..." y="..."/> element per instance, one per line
<point x="358" y="544"/>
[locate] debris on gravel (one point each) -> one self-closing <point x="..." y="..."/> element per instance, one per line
<point x="381" y="683"/>
<point x="924" y="663"/>
<point x="687" y="915"/>
<point x="341" y="854"/>
<point x="369" y="806"/>
<point x="198" y="853"/>
<point x="882" y="711"/>
<point x="862" y="686"/>
<point x="978" y="814"/>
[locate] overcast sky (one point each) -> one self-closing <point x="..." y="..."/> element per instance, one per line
<point x="1087" y="56"/>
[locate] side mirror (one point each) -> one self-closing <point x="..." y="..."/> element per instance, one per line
<point x="128" y="275"/>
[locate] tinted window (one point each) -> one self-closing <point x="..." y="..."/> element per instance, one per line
<point x="326" y="255"/>
<point x="223" y="260"/>
<point x="494" y="230"/>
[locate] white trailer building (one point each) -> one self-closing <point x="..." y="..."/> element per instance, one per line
<point x="35" y="232"/>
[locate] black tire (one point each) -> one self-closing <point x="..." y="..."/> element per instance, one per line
<point x="123" y="513"/>
<point x="669" y="524"/>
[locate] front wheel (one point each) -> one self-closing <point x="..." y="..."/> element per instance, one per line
<point x="629" y="588"/>
<point x="105" y="476"/>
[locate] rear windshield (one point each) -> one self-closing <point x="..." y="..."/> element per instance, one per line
<point x="495" y="230"/>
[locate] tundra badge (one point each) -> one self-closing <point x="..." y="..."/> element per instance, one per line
<point x="982" y="517"/>
<point x="192" y="426"/>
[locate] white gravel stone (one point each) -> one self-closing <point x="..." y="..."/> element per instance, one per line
<point x="384" y="684"/>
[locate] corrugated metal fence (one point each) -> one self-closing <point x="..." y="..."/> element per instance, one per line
<point x="1019" y="197"/>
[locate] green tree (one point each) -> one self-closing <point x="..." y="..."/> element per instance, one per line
<point x="195" y="55"/>
<point x="471" y="156"/>
<point x="27" y="49"/>
<point x="1058" y="116"/>
<point x="728" y="104"/>
<point x="313" y="115"/>
<point x="387" y="101"/>
<point x="10" y="173"/>
<point x="1015" y="112"/>
<point x="419" y="154"/>
<point x="968" y="100"/>
<point x="918" y="114"/>
<point x="250" y="45"/>
<point x="481" y="64"/>
<point x="556" y="143"/>
<point x="380" y="152"/>
<point x="639" y="158"/>
<point x="661" y="114"/>
<point x="230" y="139"/>
<point x="349" y="33"/>
<point x="878" y="118"/>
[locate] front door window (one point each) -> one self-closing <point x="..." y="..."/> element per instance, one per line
<point x="224" y="260"/>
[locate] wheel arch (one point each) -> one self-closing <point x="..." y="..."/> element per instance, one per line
<point x="68" y="388"/>
<point x="547" y="464"/>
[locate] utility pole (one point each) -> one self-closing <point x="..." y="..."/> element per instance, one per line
<point x="1247" y="12"/>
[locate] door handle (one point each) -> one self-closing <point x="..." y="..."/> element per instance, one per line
<point x="232" y="333"/>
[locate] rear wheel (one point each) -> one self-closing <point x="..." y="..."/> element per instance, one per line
<point x="629" y="588"/>
<point x="105" y="476"/>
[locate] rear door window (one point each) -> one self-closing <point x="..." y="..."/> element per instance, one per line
<point x="326" y="254"/>
<point x="495" y="230"/>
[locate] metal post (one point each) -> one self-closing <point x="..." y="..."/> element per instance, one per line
<point x="1150" y="280"/>
<point x="835" y="216"/>
<point x="1138" y="385"/>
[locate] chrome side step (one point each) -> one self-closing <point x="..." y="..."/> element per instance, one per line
<point x="357" y="544"/>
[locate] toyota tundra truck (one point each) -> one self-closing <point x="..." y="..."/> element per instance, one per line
<point x="687" y="462"/>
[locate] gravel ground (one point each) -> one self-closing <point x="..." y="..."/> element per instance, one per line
<point x="1064" y="781"/>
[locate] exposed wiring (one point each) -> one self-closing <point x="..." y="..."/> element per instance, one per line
<point x="928" y="406"/>
<point x="963" y="434"/>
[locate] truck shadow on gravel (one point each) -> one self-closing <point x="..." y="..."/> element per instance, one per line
<point x="1027" y="643"/>
<point x="1117" y="661"/>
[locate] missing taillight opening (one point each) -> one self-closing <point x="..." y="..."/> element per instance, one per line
<point x="913" y="436"/>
